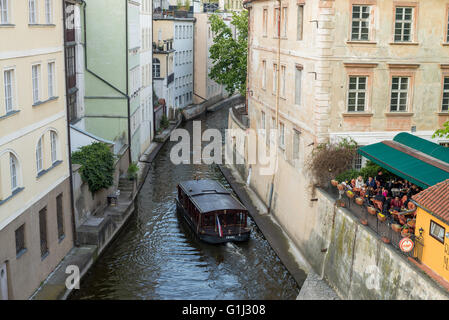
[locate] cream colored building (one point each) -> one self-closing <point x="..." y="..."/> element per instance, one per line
<point x="320" y="70"/>
<point x="35" y="209"/>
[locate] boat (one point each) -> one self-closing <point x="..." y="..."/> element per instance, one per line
<point x="212" y="212"/>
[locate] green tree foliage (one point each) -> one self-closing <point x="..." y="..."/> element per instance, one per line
<point x="97" y="165"/>
<point x="442" y="133"/>
<point x="229" y="55"/>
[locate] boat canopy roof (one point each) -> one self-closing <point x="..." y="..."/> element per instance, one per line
<point x="209" y="195"/>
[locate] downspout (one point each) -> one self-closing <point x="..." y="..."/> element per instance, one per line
<point x="127" y="83"/>
<point x="72" y="197"/>
<point x="100" y="78"/>
<point x="278" y="80"/>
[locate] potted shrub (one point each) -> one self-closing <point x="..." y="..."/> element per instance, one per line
<point x="396" y="227"/>
<point x="132" y="171"/>
<point x="350" y="194"/>
<point x="405" y="231"/>
<point x="363" y="221"/>
<point x="371" y="210"/>
<point x="385" y="240"/>
<point x="411" y="223"/>
<point x="359" y="201"/>
<point x="381" y="217"/>
<point x="340" y="203"/>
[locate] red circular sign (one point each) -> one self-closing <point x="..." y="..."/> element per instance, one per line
<point x="406" y="244"/>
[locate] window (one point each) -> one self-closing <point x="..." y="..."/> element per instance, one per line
<point x="9" y="90"/>
<point x="60" y="216"/>
<point x="54" y="146"/>
<point x="445" y="102"/>
<point x="71" y="66"/>
<point x="4" y="12"/>
<point x="357" y="162"/>
<point x="39" y="156"/>
<point x="360" y="23"/>
<point x="399" y="93"/>
<point x="13" y="166"/>
<point x="403" y="24"/>
<point x="156" y="68"/>
<point x="295" y="154"/>
<point x="277" y="22"/>
<point x="275" y="75"/>
<point x="262" y="120"/>
<point x="357" y="94"/>
<point x="20" y="240"/>
<point x="264" y="74"/>
<point x="284" y="21"/>
<point x="32" y="10"/>
<point x="283" y="72"/>
<point x="298" y="83"/>
<point x="300" y="22"/>
<point x="36" y="71"/>
<point x="281" y="135"/>
<point x="437" y="231"/>
<point x="265" y="21"/>
<point x="43" y="231"/>
<point x="51" y="79"/>
<point x="73" y="114"/>
<point x="48" y="12"/>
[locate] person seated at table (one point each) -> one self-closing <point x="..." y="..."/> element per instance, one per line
<point x="380" y="177"/>
<point x="384" y="192"/>
<point x="359" y="182"/>
<point x="396" y="204"/>
<point x="353" y="183"/>
<point x="405" y="200"/>
<point x="380" y="197"/>
<point x="370" y="182"/>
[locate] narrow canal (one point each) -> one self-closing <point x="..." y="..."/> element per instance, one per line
<point x="156" y="256"/>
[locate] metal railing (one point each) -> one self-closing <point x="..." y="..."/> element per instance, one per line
<point x="382" y="228"/>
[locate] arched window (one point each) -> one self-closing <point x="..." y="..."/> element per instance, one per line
<point x="14" y="170"/>
<point x="54" y="146"/>
<point x="39" y="156"/>
<point x="156" y="68"/>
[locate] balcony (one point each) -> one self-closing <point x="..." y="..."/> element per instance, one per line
<point x="170" y="78"/>
<point x="172" y="12"/>
<point x="210" y="7"/>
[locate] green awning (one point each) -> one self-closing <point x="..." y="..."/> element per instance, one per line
<point x="419" y="161"/>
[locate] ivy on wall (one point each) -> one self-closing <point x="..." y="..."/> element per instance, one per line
<point x="97" y="165"/>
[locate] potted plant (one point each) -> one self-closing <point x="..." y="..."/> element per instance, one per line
<point x="363" y="221"/>
<point x="411" y="223"/>
<point x="405" y="231"/>
<point x="385" y="240"/>
<point x="396" y="227"/>
<point x="340" y="203"/>
<point x="132" y="171"/>
<point x="350" y="194"/>
<point x="371" y="210"/>
<point x="359" y="201"/>
<point x="381" y="217"/>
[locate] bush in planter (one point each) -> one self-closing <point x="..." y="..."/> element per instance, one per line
<point x="164" y="122"/>
<point x="97" y="165"/>
<point x="132" y="171"/>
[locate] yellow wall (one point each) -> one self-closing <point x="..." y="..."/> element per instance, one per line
<point x="435" y="254"/>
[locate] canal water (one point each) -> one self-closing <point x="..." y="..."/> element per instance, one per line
<point x="157" y="257"/>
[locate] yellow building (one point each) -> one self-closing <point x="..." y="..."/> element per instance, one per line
<point x="35" y="205"/>
<point x="432" y="224"/>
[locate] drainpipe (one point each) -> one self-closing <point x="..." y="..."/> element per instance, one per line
<point x="72" y="197"/>
<point x="278" y="72"/>
<point x="127" y="82"/>
<point x="103" y="80"/>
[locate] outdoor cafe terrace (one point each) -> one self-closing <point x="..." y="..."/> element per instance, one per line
<point x="411" y="164"/>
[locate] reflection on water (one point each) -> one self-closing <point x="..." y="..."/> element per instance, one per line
<point x="156" y="256"/>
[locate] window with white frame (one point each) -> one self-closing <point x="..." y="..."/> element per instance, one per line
<point x="54" y="146"/>
<point x="298" y="84"/>
<point x="9" y="90"/>
<point x="275" y="76"/>
<point x="156" y="68"/>
<point x="277" y="22"/>
<point x="295" y="151"/>
<point x="264" y="74"/>
<point x="445" y="101"/>
<point x="262" y="120"/>
<point x="265" y="21"/>
<point x="51" y="79"/>
<point x="39" y="156"/>
<point x="4" y="12"/>
<point x="360" y="23"/>
<point x="32" y="11"/>
<point x="399" y="93"/>
<point x="13" y="167"/>
<point x="48" y="11"/>
<point x="284" y="21"/>
<point x="437" y="231"/>
<point x="403" y="24"/>
<point x="281" y="135"/>
<point x="36" y="73"/>
<point x="357" y="93"/>
<point x="283" y="74"/>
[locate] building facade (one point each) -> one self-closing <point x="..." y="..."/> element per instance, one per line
<point x="323" y="70"/>
<point x="35" y="208"/>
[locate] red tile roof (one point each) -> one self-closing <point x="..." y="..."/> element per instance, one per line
<point x="435" y="199"/>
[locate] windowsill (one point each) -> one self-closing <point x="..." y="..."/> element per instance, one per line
<point x="405" y="43"/>
<point x="7" y="25"/>
<point x="357" y="114"/>
<point x="54" y="165"/>
<point x="41" y="25"/>
<point x="21" y="253"/>
<point x="9" y="114"/>
<point x="360" y="42"/>
<point x="445" y="44"/>
<point x="442" y="113"/>
<point x="399" y="114"/>
<point x="45" y="101"/>
<point x="13" y="194"/>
